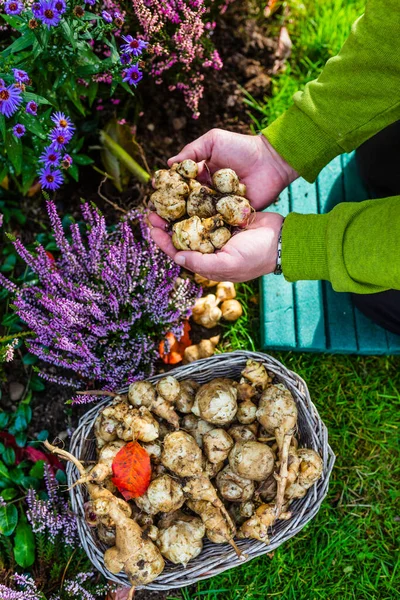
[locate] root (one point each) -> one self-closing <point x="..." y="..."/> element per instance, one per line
<point x="131" y="593"/>
<point x="283" y="473"/>
<point x="240" y="554"/>
<point x="66" y="456"/>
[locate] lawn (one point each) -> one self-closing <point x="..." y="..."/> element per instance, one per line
<point x="350" y="550"/>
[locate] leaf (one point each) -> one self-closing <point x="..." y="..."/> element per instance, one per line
<point x="14" y="21"/>
<point x="4" y="473"/>
<point x="8" y="519"/>
<point x="36" y="384"/>
<point x="14" y="153"/>
<point x="27" y="38"/>
<point x="82" y="159"/>
<point x="28" y="96"/>
<point x="3" y="129"/>
<point x="9" y="457"/>
<point x="9" y="494"/>
<point x="24" y="544"/>
<point x="3" y="419"/>
<point x="37" y="469"/>
<point x="20" y="438"/>
<point x="131" y="470"/>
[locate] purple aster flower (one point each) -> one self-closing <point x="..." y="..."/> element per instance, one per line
<point x="106" y="16"/>
<point x="50" y="179"/>
<point x="132" y="75"/>
<point x="125" y="58"/>
<point x="13" y="7"/>
<point x="10" y="99"/>
<point x="60" y="137"/>
<point x="63" y="122"/>
<point x="37" y="10"/>
<point x="67" y="161"/>
<point x="90" y="2"/>
<point x="31" y="108"/>
<point x="133" y="46"/>
<point x="2" y="84"/>
<point x="19" y="130"/>
<point x="60" y="6"/>
<point x="21" y="76"/>
<point x="50" y="157"/>
<point x="49" y="15"/>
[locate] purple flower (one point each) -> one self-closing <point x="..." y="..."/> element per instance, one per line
<point x="60" y="137"/>
<point x="2" y="84"/>
<point x="50" y="179"/>
<point x="19" y="130"/>
<point x="21" y="76"/>
<point x="67" y="161"/>
<point x="37" y="10"/>
<point x="10" y="99"/>
<point x="90" y="2"/>
<point x="13" y="7"/>
<point x="49" y="15"/>
<point x="125" y="58"/>
<point x="100" y="312"/>
<point x="60" y="6"/>
<point x="50" y="157"/>
<point x="31" y="108"/>
<point x="106" y="16"/>
<point x="62" y="122"/>
<point x="133" y="46"/>
<point x="132" y="75"/>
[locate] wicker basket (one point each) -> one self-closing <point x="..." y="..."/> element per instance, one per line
<point x="214" y="558"/>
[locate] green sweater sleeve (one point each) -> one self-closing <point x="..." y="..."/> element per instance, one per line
<point x="356" y="246"/>
<point x="356" y="95"/>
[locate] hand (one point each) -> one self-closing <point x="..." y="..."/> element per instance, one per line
<point x="247" y="255"/>
<point x="257" y="164"/>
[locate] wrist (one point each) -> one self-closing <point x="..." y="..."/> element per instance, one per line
<point x="275" y="229"/>
<point x="284" y="170"/>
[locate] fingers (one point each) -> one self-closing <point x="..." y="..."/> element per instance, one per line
<point x="163" y="240"/>
<point x="198" y="150"/>
<point x="157" y="221"/>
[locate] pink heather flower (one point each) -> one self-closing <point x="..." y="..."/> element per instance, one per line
<point x="20" y="76"/>
<point x="10" y="99"/>
<point x="9" y="350"/>
<point x="31" y="108"/>
<point x="19" y="130"/>
<point x="50" y="179"/>
<point x="133" y="46"/>
<point x="132" y="75"/>
<point x="13" y="7"/>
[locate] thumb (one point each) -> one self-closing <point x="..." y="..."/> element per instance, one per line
<point x="198" y="150"/>
<point x="218" y="265"/>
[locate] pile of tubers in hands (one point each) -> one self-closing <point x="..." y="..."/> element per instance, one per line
<point x="212" y="212"/>
<point x="225" y="464"/>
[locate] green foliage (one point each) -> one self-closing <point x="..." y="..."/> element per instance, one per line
<point x="318" y="30"/>
<point x="24" y="543"/>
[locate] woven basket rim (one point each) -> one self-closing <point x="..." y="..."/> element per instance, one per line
<point x="215" y="558"/>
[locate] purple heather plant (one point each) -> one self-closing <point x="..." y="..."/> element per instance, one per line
<point x="102" y="307"/>
<point x="52" y="516"/>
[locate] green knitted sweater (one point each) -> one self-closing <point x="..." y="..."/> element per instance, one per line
<point x="357" y="245"/>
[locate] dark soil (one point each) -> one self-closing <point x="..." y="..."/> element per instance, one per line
<point x="250" y="56"/>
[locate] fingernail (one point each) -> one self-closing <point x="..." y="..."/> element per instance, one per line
<point x="180" y="260"/>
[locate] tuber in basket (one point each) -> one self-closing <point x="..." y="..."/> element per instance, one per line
<point x="214" y="558"/>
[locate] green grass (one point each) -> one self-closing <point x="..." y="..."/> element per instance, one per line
<point x="350" y="549"/>
<point x="318" y="29"/>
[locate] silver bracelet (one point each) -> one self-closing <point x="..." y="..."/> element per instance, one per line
<point x="278" y="268"/>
